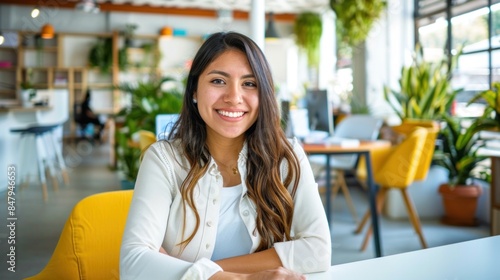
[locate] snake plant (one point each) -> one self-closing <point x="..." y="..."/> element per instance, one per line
<point x="459" y="153"/>
<point x="425" y="88"/>
<point x="491" y="117"/>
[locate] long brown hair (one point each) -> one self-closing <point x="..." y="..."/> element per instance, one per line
<point x="267" y="144"/>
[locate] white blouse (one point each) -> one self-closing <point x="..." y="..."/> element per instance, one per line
<point x="232" y="235"/>
<point x="156" y="219"/>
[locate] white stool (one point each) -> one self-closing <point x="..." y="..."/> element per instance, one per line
<point x="44" y="138"/>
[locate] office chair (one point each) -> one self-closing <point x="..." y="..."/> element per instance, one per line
<point x="89" y="245"/>
<point x="396" y="167"/>
<point x="146" y="138"/>
<point x="361" y="127"/>
<point x="406" y="127"/>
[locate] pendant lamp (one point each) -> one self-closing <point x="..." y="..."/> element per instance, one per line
<point x="271" y="29"/>
<point x="166" y="31"/>
<point x="47" y="31"/>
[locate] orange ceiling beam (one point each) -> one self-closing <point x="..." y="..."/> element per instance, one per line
<point x="129" y="8"/>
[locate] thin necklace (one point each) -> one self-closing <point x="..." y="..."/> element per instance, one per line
<point x="234" y="169"/>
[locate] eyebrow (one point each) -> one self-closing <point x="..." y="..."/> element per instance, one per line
<point x="227" y="75"/>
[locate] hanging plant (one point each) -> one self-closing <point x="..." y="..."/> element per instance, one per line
<point x="308" y="28"/>
<point x="355" y="18"/>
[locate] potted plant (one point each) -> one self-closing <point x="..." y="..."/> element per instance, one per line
<point x="354" y="19"/>
<point x="459" y="156"/>
<point x="101" y="55"/>
<point x="28" y="91"/>
<point x="307" y="29"/>
<point x="128" y="33"/>
<point x="425" y="90"/>
<point x="148" y="99"/>
<point x="490" y="120"/>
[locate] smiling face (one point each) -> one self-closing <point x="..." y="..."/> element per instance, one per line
<point x="227" y="96"/>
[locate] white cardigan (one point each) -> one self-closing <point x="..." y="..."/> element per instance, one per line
<point x="155" y="220"/>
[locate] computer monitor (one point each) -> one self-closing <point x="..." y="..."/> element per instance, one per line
<point x="164" y="124"/>
<point x="319" y="110"/>
<point x="286" y="120"/>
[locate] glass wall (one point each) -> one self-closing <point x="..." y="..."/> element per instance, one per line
<point x="444" y="27"/>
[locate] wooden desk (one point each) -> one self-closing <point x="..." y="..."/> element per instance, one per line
<point x="362" y="150"/>
<point x="6" y="109"/>
<point x="476" y="259"/>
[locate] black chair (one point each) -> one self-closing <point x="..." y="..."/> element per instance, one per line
<point x="82" y="124"/>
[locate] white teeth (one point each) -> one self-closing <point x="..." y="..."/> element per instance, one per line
<point x="230" y="114"/>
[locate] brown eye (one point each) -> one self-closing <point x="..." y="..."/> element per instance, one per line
<point x="217" y="81"/>
<point x="250" y="84"/>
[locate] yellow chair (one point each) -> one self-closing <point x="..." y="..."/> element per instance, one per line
<point x="396" y="167"/>
<point x="146" y="138"/>
<point x="89" y="245"/>
<point x="407" y="127"/>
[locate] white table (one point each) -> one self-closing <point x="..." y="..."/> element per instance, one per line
<point x="476" y="259"/>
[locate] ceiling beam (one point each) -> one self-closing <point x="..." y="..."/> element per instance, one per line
<point x="129" y="8"/>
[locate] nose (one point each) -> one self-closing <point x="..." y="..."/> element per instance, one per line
<point x="233" y="94"/>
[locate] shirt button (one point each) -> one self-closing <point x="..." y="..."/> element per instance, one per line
<point x="214" y="201"/>
<point x="207" y="246"/>
<point x="246" y="213"/>
<point x="209" y="223"/>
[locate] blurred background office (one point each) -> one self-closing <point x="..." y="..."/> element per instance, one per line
<point x="133" y="57"/>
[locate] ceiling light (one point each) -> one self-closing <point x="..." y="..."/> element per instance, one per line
<point x="271" y="29"/>
<point x="2" y="39"/>
<point x="35" y="12"/>
<point x="88" y="6"/>
<point x="47" y="31"/>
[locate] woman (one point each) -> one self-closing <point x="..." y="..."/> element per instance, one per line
<point x="87" y="116"/>
<point x="227" y="196"/>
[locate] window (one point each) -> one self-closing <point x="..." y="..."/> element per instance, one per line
<point x="445" y="26"/>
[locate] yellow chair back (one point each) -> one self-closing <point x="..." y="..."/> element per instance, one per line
<point x="432" y="127"/>
<point x="89" y="245"/>
<point x="398" y="167"/>
<point x="146" y="138"/>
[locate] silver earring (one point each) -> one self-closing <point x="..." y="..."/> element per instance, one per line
<point x="195" y="101"/>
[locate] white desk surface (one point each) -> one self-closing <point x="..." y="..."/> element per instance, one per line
<point x="477" y="259"/>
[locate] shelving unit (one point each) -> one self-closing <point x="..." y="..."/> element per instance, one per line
<point x="62" y="63"/>
<point x="8" y="72"/>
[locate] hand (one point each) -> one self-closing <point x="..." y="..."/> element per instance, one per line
<point x="279" y="273"/>
<point x="163" y="251"/>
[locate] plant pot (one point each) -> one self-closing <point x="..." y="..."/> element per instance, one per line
<point x="127" y="184"/>
<point x="26" y="96"/>
<point x="460" y="203"/>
